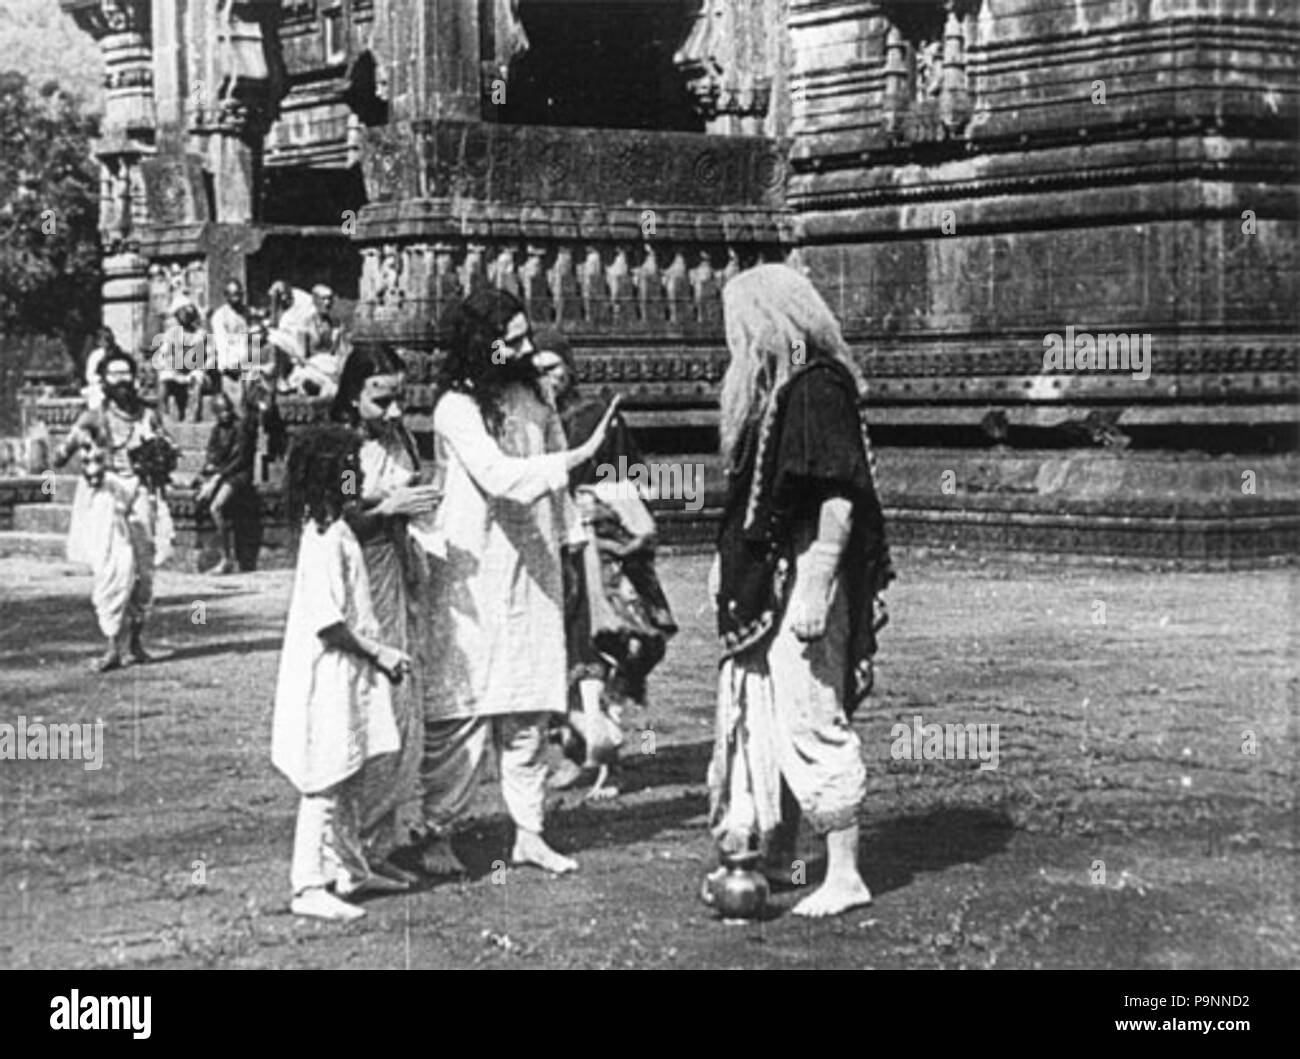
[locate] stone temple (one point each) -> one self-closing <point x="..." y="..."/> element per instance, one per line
<point x="964" y="180"/>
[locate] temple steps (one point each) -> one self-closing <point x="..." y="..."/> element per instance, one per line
<point x="42" y="518"/>
<point x="49" y="546"/>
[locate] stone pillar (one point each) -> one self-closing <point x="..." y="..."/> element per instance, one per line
<point x="731" y="58"/>
<point x="234" y="104"/>
<point x="122" y="30"/>
<point x="427" y="52"/>
<point x="954" y="103"/>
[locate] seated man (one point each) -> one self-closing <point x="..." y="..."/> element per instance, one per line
<point x="180" y="357"/>
<point x="227" y="477"/>
<point x="322" y="345"/>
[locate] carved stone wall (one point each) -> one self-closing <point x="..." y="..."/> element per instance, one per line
<point x="961" y="178"/>
<point x="972" y="176"/>
<point x="1101" y="180"/>
<point x="611" y="234"/>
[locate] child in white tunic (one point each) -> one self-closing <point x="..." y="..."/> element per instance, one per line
<point x="333" y="702"/>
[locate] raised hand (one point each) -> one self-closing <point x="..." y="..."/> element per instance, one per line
<point x="592" y="445"/>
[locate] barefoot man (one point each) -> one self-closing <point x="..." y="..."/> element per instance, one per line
<point x="496" y="651"/>
<point x="801" y="556"/>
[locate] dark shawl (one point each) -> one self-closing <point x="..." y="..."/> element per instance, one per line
<point x="809" y="444"/>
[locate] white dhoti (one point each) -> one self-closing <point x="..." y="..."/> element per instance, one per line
<point x="781" y="717"/>
<point x="112" y="530"/>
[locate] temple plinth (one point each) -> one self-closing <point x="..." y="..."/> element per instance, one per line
<point x="973" y="184"/>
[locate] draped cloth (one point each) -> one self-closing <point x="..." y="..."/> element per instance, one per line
<point x="390" y="785"/>
<point x="121" y="528"/>
<point x="784" y="705"/>
<point x="621" y="616"/>
<point x="333" y="709"/>
<point x="497" y="641"/>
<point x="496" y="653"/>
<point x="809" y="444"/>
<point x="110" y="531"/>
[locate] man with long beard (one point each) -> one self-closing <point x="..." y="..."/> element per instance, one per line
<point x="132" y="452"/>
<point x="801" y="557"/>
<point x="496" y="650"/>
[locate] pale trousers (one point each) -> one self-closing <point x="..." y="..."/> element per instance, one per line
<point x="455" y="753"/>
<point x="326" y="841"/>
<point x="781" y="716"/>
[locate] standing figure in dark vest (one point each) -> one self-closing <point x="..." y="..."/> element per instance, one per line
<point x="801" y="558"/>
<point x="617" y="618"/>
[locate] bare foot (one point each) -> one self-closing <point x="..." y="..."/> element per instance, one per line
<point x="833" y="897"/>
<point x="599" y="792"/>
<point x="602" y="794"/>
<point x="531" y="848"/>
<point x="437" y="859"/>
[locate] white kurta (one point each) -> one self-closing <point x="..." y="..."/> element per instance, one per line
<point x="333" y="710"/>
<point x="498" y="597"/>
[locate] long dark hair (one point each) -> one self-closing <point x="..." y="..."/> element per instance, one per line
<point x="362" y="363"/>
<point x="470" y="330"/>
<point x="318" y="459"/>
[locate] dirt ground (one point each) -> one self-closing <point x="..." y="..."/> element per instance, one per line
<point x="1128" y="823"/>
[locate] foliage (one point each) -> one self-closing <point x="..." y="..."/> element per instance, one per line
<point x="49" y="213"/>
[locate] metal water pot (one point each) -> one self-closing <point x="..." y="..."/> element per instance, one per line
<point x="737" y="890"/>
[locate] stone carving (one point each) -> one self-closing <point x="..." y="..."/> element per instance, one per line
<point x="510" y="41"/>
<point x="727" y="59"/>
<point x="925" y="92"/>
<point x="388" y="290"/>
<point x="564" y="286"/>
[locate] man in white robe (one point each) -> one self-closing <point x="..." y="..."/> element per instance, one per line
<point x="497" y="655"/>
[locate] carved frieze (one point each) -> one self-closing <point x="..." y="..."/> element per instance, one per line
<point x="613" y="288"/>
<point x="539" y="164"/>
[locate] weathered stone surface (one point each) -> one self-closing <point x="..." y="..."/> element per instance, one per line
<point x="962" y="179"/>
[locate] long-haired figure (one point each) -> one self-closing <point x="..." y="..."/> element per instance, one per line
<point x="391" y="497"/>
<point x="497" y="661"/>
<point x="333" y="697"/>
<point x="801" y="557"/>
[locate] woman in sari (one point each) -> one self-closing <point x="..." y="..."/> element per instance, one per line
<point x="369" y="398"/>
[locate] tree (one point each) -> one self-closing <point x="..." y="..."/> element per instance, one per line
<point x="49" y="214"/>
